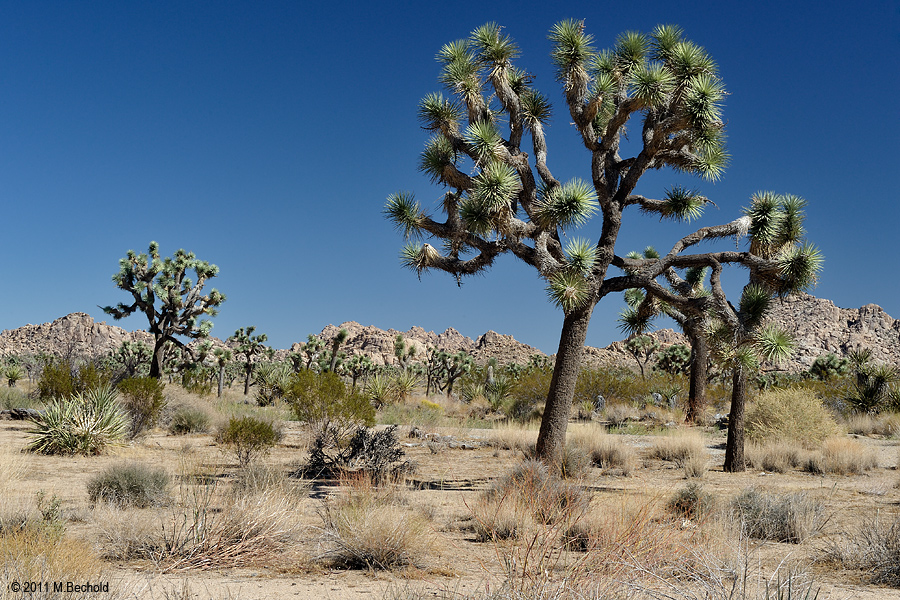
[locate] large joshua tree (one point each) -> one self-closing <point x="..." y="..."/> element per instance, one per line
<point x="151" y="279"/>
<point x="500" y="199"/>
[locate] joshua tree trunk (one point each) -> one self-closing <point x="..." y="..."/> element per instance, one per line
<point x="159" y="355"/>
<point x="697" y="392"/>
<point x="221" y="381"/>
<point x="552" y="436"/>
<point x="734" y="446"/>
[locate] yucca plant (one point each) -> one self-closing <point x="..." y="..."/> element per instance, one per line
<point x="380" y="390"/>
<point x="83" y="424"/>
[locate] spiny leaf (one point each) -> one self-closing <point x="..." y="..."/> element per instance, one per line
<point x="496" y="186"/>
<point x="581" y="254"/>
<point x="484" y="140"/>
<point x="570" y="204"/>
<point x="773" y="343"/>
<point x="406" y="214"/>
<point x="755" y="303"/>
<point x="568" y="290"/>
<point x="437" y="156"/>
<point x="799" y="267"/>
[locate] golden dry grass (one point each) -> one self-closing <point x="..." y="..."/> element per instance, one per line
<point x="794" y="415"/>
<point x="841" y="456"/>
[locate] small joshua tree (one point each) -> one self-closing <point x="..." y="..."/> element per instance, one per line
<point x="151" y="279"/>
<point x="249" y="346"/>
<point x="642" y="348"/>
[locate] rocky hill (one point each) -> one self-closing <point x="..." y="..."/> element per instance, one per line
<point x="819" y="327"/>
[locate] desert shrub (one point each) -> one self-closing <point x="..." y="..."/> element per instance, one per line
<point x="574" y="462"/>
<point x="198" y="380"/>
<point x="606" y="451"/>
<point x="143" y="398"/>
<point x="63" y="379"/>
<point x="790" y="415"/>
<point x="189" y="419"/>
<point x="129" y="484"/>
<point x="790" y="518"/>
<point x="206" y="526"/>
<point x="873" y="547"/>
<point x="515" y="437"/>
<point x="678" y="447"/>
<point x="619" y="414"/>
<point x="886" y="424"/>
<point x="380" y="390"/>
<point x="829" y="366"/>
<point x="247" y="436"/>
<point x="692" y="502"/>
<point x="83" y="424"/>
<point x="774" y="457"/>
<point x="372" y="528"/>
<point x="323" y="401"/>
<point x="375" y="453"/>
<point x="548" y="497"/>
<point x="841" y="456"/>
<point x="16" y="398"/>
<point x="526" y="399"/>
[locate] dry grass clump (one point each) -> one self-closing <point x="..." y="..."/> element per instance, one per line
<point x="841" y="456"/>
<point x="371" y="527"/>
<point x="774" y="457"/>
<point x="679" y="447"/>
<point x="790" y="518"/>
<point x="38" y="554"/>
<point x="795" y="415"/>
<point x="207" y="526"/>
<point x="885" y="424"/>
<point x="130" y="484"/>
<point x="606" y="451"/>
<point x="518" y="438"/>
<point x="873" y="546"/>
<point x="526" y="497"/>
<point x="692" y="502"/>
<point x="618" y="414"/>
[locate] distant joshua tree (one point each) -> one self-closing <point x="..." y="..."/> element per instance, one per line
<point x="181" y="303"/>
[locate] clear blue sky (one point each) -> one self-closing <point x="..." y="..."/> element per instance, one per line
<point x="265" y="136"/>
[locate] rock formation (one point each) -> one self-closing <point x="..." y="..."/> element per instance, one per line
<point x="818" y="326"/>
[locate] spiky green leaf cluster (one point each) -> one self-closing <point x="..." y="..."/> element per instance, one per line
<point x="484" y="140"/>
<point x="83" y="424"/>
<point x="572" y="50"/>
<point x="404" y="212"/>
<point x="567" y="205"/>
<point x="496" y="186"/>
<point x="683" y="204"/>
<point x="436" y="157"/>
<point x="773" y="343"/>
<point x="568" y="290"/>
<point x="581" y="255"/>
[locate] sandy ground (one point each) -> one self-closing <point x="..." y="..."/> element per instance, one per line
<point x="447" y="483"/>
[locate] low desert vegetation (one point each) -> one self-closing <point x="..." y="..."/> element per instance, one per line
<point x="130" y="484"/>
<point x="373" y="527"/>
<point x="840" y="456"/>
<point x="790" y="415"/>
<point x="780" y="517"/>
<point x="248" y="437"/>
<point x="85" y="423"/>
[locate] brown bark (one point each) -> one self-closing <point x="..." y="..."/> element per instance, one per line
<point x="698" y="375"/>
<point x="734" y="446"/>
<point x="552" y="435"/>
<point x="159" y="354"/>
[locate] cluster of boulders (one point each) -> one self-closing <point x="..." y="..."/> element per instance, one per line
<point x="818" y="326"/>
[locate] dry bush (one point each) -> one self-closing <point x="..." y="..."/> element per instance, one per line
<point x="841" y="456"/>
<point x="618" y="414"/>
<point x="692" y="502"/>
<point x="524" y="500"/>
<point x="886" y="424"/>
<point x="873" y="546"/>
<point x="130" y="484"/>
<point x="795" y="415"/>
<point x="372" y="527"/>
<point x="775" y="457"/>
<point x="517" y="438"/>
<point x="607" y="451"/>
<point x="679" y="447"/>
<point x="695" y="465"/>
<point x="208" y="526"/>
<point x="37" y="554"/>
<point x="12" y="467"/>
<point x="574" y="462"/>
<point x="790" y="518"/>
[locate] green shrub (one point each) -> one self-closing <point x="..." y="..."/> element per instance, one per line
<point x="527" y="397"/>
<point x="130" y="484"/>
<point x="189" y="419"/>
<point x="790" y="518"/>
<point x="692" y="502"/>
<point x="794" y="415"/>
<point x="83" y="424"/>
<point x="247" y="436"/>
<point x="63" y="379"/>
<point x="323" y="401"/>
<point x="16" y="398"/>
<point x="143" y="398"/>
